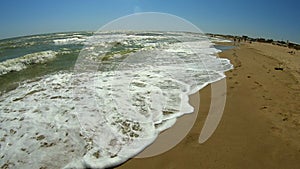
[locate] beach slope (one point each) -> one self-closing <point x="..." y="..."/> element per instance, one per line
<point x="260" y="127"/>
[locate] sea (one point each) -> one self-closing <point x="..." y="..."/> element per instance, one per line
<point x="96" y="99"/>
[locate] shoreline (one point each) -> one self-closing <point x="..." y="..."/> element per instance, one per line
<point x="261" y="121"/>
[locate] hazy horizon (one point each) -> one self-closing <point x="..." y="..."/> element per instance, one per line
<point x="270" y="20"/>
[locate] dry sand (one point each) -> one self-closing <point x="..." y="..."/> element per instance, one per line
<point x="260" y="127"/>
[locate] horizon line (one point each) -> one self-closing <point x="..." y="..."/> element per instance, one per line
<point x="94" y="31"/>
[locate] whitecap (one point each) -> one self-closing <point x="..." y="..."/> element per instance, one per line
<point x="20" y="63"/>
<point x="73" y="40"/>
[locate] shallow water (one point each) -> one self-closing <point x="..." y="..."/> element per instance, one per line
<point x="104" y="106"/>
<point x="223" y="47"/>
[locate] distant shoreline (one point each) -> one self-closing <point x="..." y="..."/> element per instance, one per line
<point x="244" y="38"/>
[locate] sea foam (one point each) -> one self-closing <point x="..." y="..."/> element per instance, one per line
<point x="72" y="40"/>
<point x="20" y="63"/>
<point x="124" y="92"/>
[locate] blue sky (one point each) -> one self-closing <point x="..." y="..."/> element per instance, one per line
<point x="277" y="19"/>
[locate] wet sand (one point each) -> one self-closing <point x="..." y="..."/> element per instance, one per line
<point x="260" y="127"/>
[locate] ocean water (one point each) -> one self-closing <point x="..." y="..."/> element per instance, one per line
<point x="74" y="100"/>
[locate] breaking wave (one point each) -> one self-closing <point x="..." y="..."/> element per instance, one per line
<point x="20" y="63"/>
<point x="127" y="89"/>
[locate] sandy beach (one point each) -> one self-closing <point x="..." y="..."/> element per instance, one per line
<point x="260" y="127"/>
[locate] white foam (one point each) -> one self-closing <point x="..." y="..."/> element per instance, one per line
<point x="109" y="116"/>
<point x="219" y="39"/>
<point x="78" y="39"/>
<point x="21" y="63"/>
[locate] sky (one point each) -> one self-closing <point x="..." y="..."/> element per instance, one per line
<point x="276" y="19"/>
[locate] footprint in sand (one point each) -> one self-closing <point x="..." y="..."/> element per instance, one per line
<point x="263" y="108"/>
<point x="276" y="130"/>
